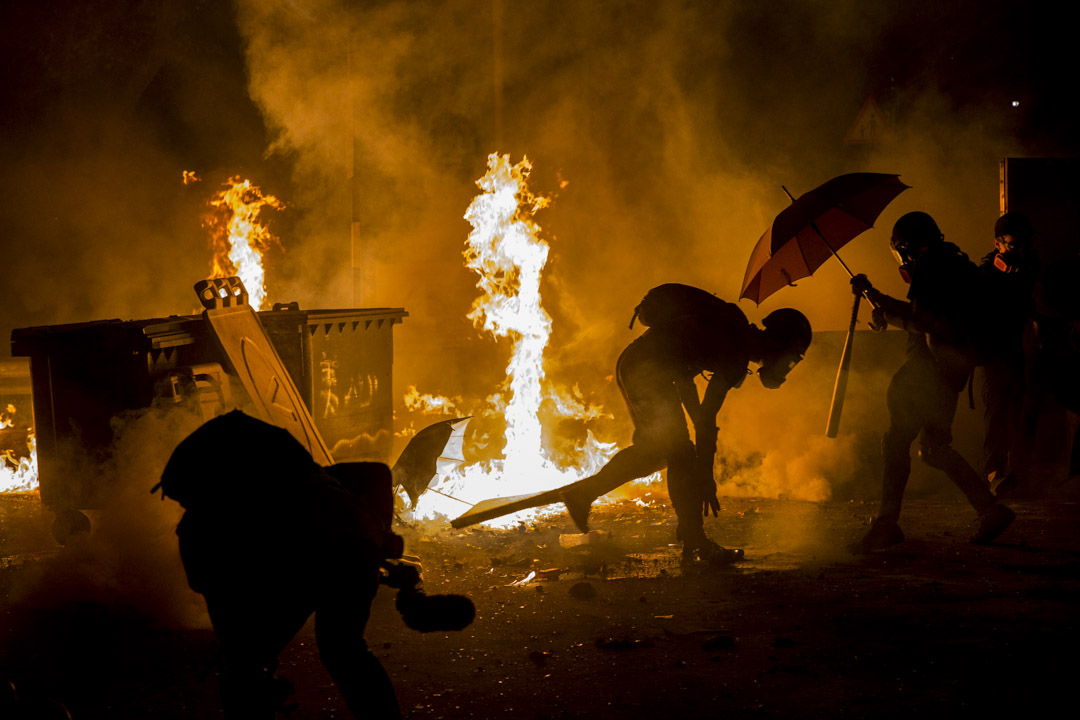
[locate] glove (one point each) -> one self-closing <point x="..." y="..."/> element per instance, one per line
<point x="707" y="486"/>
<point x="711" y="502"/>
<point x="402" y="575"/>
<point x="878" y="321"/>
<point x="860" y="284"/>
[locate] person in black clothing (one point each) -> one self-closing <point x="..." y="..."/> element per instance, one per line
<point x="1053" y="376"/>
<point x="946" y="331"/>
<point x="1010" y="271"/>
<point x="655" y="374"/>
<point x="269" y="538"/>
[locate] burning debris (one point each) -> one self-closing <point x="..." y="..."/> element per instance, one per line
<point x="238" y="237"/>
<point x="18" y="451"/>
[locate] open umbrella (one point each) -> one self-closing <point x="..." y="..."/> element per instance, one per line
<point x="810" y="231"/>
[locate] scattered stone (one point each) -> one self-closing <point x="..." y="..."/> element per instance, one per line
<point x="720" y="642"/>
<point x="539" y="658"/>
<point x="623" y="644"/>
<point x="583" y="591"/>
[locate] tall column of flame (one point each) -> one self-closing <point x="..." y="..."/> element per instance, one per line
<point x="506" y="251"/>
<point x="239" y="239"/>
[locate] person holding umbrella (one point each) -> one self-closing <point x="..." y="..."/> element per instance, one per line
<point x="947" y="333"/>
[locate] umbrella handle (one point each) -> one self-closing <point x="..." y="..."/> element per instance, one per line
<point x="840" y="387"/>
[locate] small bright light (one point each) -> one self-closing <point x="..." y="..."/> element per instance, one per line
<point x="1016" y="103"/>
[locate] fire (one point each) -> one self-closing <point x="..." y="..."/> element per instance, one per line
<point x="506" y="251"/>
<point x="18" y="472"/>
<point x="238" y="238"/>
<point x="430" y="404"/>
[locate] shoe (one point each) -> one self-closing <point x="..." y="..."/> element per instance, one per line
<point x="1008" y="486"/>
<point x="992" y="523"/>
<point x="578" y="506"/>
<point x="882" y="534"/>
<point x="710" y="553"/>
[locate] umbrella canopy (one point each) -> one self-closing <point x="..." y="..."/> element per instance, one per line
<point x="817" y="224"/>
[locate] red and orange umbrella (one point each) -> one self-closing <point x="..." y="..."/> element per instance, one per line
<point x="810" y="231"/>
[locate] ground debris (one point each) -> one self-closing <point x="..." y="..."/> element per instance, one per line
<point x="583" y="591"/>
<point x="623" y="643"/>
<point x="720" y="642"/>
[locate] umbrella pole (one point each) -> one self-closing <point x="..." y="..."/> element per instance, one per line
<point x="840" y="387"/>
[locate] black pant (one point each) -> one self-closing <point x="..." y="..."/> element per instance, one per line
<point x="661" y="440"/>
<point x="922" y="402"/>
<point x="258" y="598"/>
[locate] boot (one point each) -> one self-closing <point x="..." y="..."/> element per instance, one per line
<point x="578" y="504"/>
<point x="992" y="523"/>
<point x="708" y="552"/>
<point x="883" y="533"/>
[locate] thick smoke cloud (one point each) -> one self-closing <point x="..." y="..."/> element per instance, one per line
<point x="674" y="126"/>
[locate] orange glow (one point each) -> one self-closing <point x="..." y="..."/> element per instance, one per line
<point x="237" y="236"/>
<point x="190" y="177"/>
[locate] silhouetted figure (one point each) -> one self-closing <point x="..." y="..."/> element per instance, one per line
<point x="270" y="537"/>
<point x="1054" y="372"/>
<point x="690" y="332"/>
<point x="1010" y="271"/>
<point x="947" y="333"/>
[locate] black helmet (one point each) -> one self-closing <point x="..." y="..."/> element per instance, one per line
<point x="1016" y="224"/>
<point x="911" y="234"/>
<point x="787" y="329"/>
<point x="787" y="336"/>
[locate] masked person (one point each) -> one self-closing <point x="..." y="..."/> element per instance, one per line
<point x="690" y="332"/>
<point x="1010" y="271"/>
<point x="269" y="537"/>
<point x="947" y="329"/>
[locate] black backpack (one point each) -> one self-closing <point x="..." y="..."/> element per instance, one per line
<point x="666" y="303"/>
<point x="232" y="459"/>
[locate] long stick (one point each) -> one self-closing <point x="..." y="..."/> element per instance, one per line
<point x="839" y="388"/>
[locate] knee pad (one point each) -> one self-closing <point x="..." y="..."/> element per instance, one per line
<point x="937" y="456"/>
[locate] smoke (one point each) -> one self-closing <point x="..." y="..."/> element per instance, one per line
<point x="674" y="126"/>
<point x="130" y="560"/>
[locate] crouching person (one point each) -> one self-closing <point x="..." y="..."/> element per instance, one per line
<point x="269" y="537"/>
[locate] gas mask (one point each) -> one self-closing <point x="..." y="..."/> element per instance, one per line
<point x="1011" y="254"/>
<point x="905" y="256"/>
<point x="774" y="371"/>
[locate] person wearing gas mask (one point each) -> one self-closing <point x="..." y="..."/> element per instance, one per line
<point x="947" y="330"/>
<point x="690" y="332"/>
<point x="1011" y="270"/>
<point x="270" y="538"/>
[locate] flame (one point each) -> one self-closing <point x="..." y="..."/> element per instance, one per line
<point x="190" y="178"/>
<point x="17" y="473"/>
<point x="238" y="238"/>
<point x="430" y="404"/>
<point x="506" y="251"/>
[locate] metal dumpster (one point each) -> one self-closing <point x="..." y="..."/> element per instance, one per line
<point x="83" y="375"/>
